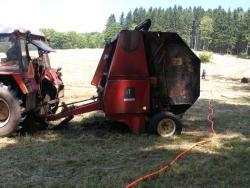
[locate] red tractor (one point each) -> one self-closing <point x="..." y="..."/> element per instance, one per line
<point x="28" y="84"/>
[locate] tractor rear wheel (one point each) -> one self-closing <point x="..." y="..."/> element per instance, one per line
<point x="10" y="111"/>
<point x="165" y="125"/>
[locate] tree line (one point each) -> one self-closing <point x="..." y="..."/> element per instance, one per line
<point x="72" y="40"/>
<point x="218" y="30"/>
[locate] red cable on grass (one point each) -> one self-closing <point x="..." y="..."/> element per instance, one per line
<point x="181" y="154"/>
<point x="210" y="116"/>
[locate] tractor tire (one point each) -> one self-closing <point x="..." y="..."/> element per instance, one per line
<point x="164" y="125"/>
<point x="49" y="92"/>
<point x="10" y="111"/>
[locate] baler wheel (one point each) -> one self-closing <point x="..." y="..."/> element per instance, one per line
<point x="164" y="125"/>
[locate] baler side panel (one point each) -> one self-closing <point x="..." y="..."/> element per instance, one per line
<point x="129" y="58"/>
<point x="177" y="70"/>
<point x="128" y="75"/>
<point x="115" y="100"/>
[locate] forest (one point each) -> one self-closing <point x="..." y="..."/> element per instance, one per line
<point x="217" y="30"/>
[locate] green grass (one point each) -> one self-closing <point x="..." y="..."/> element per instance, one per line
<point x="95" y="153"/>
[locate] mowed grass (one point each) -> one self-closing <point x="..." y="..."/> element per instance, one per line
<point x="93" y="152"/>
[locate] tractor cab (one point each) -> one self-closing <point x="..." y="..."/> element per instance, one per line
<point x="28" y="84"/>
<point x="18" y="49"/>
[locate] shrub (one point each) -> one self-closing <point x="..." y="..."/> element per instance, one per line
<point x="205" y="57"/>
<point x="243" y="55"/>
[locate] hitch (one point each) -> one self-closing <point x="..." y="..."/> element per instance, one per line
<point x="67" y="119"/>
<point x="68" y="112"/>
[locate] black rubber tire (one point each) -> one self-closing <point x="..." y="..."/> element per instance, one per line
<point x="157" y="118"/>
<point x="10" y="125"/>
<point x="50" y="90"/>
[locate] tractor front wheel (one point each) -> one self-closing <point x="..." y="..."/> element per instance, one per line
<point x="10" y="111"/>
<point x="165" y="125"/>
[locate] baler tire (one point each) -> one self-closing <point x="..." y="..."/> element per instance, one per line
<point x="13" y="107"/>
<point x="163" y="116"/>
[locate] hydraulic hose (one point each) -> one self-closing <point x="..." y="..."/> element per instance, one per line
<point x="181" y="154"/>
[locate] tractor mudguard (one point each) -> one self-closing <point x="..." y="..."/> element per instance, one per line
<point x="52" y="75"/>
<point x="21" y="84"/>
<point x="17" y="78"/>
<point x="26" y="85"/>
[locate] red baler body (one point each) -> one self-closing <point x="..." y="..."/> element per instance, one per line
<point x="140" y="74"/>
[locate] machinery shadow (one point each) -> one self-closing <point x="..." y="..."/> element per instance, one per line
<point x="91" y="151"/>
<point x="228" y="118"/>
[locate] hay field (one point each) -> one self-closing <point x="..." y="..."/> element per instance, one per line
<point x="92" y="152"/>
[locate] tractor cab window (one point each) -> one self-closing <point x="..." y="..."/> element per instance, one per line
<point x="43" y="50"/>
<point x="25" y="59"/>
<point x="33" y="54"/>
<point x="9" y="53"/>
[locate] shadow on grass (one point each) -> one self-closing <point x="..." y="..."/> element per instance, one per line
<point x="225" y="78"/>
<point x="228" y="117"/>
<point x="242" y="87"/>
<point x="81" y="157"/>
<point x="94" y="152"/>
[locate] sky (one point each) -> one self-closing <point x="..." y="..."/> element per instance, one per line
<point x="88" y="15"/>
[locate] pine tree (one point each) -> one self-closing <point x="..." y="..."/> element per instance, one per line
<point x="219" y="42"/>
<point x="198" y="13"/>
<point x="160" y="14"/>
<point x="230" y="32"/>
<point x="219" y="30"/>
<point x="112" y="28"/>
<point x="122" y="20"/>
<point x="237" y="22"/>
<point x="111" y="32"/>
<point x="110" y="21"/>
<point x="247" y="32"/>
<point x="166" y="26"/>
<point x="128" y="21"/>
<point x="206" y="30"/>
<point x="141" y="15"/>
<point x="136" y="16"/>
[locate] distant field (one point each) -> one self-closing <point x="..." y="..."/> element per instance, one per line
<point x="92" y="152"/>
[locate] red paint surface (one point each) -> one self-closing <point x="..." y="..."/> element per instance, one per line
<point x="128" y="70"/>
<point x="93" y="106"/>
<point x="129" y="63"/>
<point x="114" y="97"/>
<point x="100" y="68"/>
<point x="19" y="80"/>
<point x="135" y="122"/>
<point x="52" y="75"/>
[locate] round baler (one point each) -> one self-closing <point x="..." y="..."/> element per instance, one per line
<point x="144" y="79"/>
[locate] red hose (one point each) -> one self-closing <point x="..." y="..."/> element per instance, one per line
<point x="181" y="154"/>
<point x="210" y="116"/>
